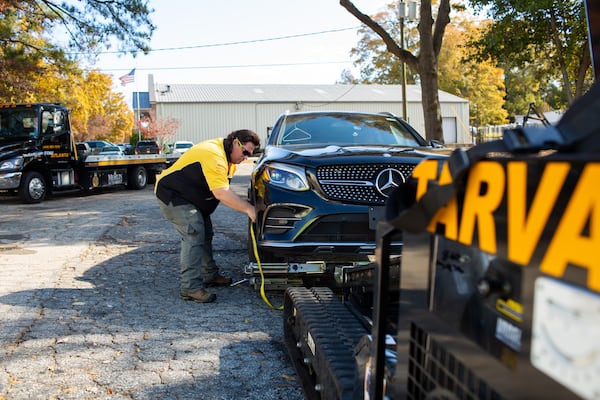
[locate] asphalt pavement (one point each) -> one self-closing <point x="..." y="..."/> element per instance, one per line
<point x="89" y="306"/>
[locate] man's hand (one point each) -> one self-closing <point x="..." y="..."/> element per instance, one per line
<point x="232" y="200"/>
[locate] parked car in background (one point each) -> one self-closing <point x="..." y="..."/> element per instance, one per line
<point x="182" y="146"/>
<point x="83" y="149"/>
<point x="112" y="150"/>
<point x="147" y="147"/>
<point x="322" y="182"/>
<point x="97" y="145"/>
<point x="126" y="148"/>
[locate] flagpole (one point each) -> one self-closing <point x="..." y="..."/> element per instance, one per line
<point x="125" y="80"/>
<point x="139" y="117"/>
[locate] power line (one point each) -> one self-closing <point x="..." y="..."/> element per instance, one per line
<point x="224" y="66"/>
<point x="200" y="46"/>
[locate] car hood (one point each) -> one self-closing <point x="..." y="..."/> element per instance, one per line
<point x="348" y="154"/>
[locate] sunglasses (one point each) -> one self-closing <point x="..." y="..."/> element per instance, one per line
<point x="245" y="151"/>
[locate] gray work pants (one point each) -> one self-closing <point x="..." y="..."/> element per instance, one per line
<point x="197" y="265"/>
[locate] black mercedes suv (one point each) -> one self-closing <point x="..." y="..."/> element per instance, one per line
<point x="321" y="184"/>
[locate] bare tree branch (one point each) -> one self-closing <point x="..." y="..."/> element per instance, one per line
<point x="393" y="47"/>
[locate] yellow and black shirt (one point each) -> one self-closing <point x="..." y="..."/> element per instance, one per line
<point x="192" y="178"/>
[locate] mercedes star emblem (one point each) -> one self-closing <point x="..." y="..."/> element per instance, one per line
<point x="388" y="180"/>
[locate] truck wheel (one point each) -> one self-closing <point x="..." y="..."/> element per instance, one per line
<point x="138" y="178"/>
<point x="33" y="187"/>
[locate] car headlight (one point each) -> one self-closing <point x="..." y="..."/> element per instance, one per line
<point x="286" y="176"/>
<point x="12" y="163"/>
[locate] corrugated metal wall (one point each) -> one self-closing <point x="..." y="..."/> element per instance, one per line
<point x="201" y="121"/>
<point x="460" y="111"/>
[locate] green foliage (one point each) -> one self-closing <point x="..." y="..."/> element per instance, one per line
<point x="523" y="87"/>
<point x="35" y="69"/>
<point x="377" y="64"/>
<point x="544" y="38"/>
<point x="90" y="24"/>
<point x="481" y="82"/>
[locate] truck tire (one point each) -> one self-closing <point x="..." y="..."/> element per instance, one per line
<point x="138" y="178"/>
<point x="33" y="187"/>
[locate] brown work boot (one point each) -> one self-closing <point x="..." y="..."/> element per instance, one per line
<point x="199" y="296"/>
<point x="218" y="280"/>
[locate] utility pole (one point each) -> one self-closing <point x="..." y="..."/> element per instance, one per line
<point x="407" y="11"/>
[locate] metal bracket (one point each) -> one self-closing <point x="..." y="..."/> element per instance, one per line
<point x="310" y="267"/>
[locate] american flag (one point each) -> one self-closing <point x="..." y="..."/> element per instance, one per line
<point x="128" y="78"/>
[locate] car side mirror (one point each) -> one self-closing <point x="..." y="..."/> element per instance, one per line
<point x="436" y="144"/>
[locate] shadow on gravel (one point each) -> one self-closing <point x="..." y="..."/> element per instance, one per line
<point x="236" y="380"/>
<point x="117" y="329"/>
<point x="130" y="327"/>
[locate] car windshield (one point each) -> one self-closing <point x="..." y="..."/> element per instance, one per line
<point x="18" y="124"/>
<point x="345" y="130"/>
<point x="183" y="145"/>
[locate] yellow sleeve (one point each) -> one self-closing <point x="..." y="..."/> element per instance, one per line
<point x="216" y="169"/>
<point x="216" y="173"/>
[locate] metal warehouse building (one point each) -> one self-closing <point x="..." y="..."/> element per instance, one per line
<point x="214" y="110"/>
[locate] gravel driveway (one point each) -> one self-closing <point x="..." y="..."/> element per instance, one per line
<point x="89" y="307"/>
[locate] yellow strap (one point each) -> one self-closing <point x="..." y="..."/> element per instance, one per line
<point x="262" y="277"/>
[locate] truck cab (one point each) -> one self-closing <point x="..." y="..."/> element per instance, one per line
<point x="34" y="139"/>
<point x="38" y="156"/>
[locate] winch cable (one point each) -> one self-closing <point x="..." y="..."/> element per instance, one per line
<point x="263" y="295"/>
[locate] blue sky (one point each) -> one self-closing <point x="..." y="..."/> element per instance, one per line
<point x="204" y="24"/>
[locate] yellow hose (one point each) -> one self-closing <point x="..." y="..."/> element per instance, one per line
<point x="263" y="295"/>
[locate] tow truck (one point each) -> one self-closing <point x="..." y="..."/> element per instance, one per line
<point x="38" y="156"/>
<point x="496" y="294"/>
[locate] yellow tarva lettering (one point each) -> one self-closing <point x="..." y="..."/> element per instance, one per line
<point x="447" y="215"/>
<point x="524" y="231"/>
<point x="424" y="172"/>
<point x="479" y="205"/>
<point x="569" y="245"/>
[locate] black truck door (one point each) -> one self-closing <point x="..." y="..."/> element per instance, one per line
<point x="56" y="136"/>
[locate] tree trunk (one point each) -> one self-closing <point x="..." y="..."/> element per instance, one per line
<point x="430" y="100"/>
<point x="425" y="64"/>
<point x="561" y="59"/>
<point x="428" y="73"/>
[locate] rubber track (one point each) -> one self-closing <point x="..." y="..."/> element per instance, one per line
<point x="335" y="332"/>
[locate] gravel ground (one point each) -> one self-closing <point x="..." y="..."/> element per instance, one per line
<point x="89" y="307"/>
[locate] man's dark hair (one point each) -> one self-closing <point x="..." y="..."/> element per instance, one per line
<point x="244" y="136"/>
